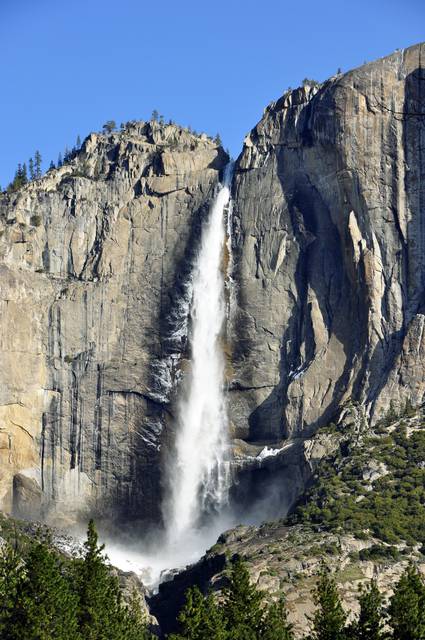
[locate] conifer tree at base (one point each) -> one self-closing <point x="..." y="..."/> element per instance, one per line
<point x="44" y="607"/>
<point x="329" y="618"/>
<point x="407" y="607"/>
<point x="242" y="608"/>
<point x="102" y="615"/>
<point x="275" y="624"/>
<point x="201" y="618"/>
<point x="370" y="623"/>
<point x="11" y="573"/>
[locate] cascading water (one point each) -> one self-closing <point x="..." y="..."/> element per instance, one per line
<point x="199" y="470"/>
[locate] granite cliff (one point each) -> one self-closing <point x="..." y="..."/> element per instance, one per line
<point x="93" y="261"/>
<point x="328" y="273"/>
<point x="328" y="245"/>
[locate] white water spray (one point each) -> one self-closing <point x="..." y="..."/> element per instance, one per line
<point x="199" y="470"/>
<point x="199" y="476"/>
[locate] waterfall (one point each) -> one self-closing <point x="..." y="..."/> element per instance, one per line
<point x="199" y="469"/>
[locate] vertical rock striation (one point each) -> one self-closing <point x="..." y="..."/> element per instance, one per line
<point x="329" y="249"/>
<point x="94" y="259"/>
<point x="328" y="256"/>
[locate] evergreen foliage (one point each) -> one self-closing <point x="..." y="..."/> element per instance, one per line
<point x="201" y="618"/>
<point x="330" y="618"/>
<point x="370" y="623"/>
<point x="44" y="605"/>
<point x="310" y="82"/>
<point x="31" y="169"/>
<point x="11" y="572"/>
<point x="109" y="126"/>
<point x="407" y="607"/>
<point x="101" y="615"/>
<point x="42" y="597"/>
<point x="19" y="180"/>
<point x="240" y="615"/>
<point x="242" y="608"/>
<point x="275" y="624"/>
<point x="37" y="164"/>
<point x="391" y="506"/>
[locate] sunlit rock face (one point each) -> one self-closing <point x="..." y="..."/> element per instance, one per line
<point x="94" y="259"/>
<point x="326" y="301"/>
<point x="329" y="250"/>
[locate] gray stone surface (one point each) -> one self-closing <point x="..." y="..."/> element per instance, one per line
<point x="328" y="242"/>
<point x="93" y="257"/>
<point x="329" y="250"/>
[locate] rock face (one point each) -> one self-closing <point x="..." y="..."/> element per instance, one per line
<point x="285" y="560"/>
<point x="329" y="250"/>
<point x="328" y="239"/>
<point x="93" y="257"/>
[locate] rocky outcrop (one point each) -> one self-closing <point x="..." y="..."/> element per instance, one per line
<point x="327" y="304"/>
<point x="329" y="250"/>
<point x="287" y="560"/>
<point x="93" y="257"/>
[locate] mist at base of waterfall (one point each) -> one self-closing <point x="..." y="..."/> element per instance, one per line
<point x="155" y="558"/>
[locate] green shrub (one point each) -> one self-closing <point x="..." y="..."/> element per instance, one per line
<point x="35" y="220"/>
<point x="379" y="552"/>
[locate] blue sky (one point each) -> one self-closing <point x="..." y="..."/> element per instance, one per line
<point x="67" y="67"/>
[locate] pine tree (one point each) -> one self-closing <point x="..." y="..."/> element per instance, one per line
<point x="275" y="623"/>
<point x="51" y="165"/>
<point x="37" y="164"/>
<point x="134" y="623"/>
<point x="109" y="126"/>
<point x="407" y="607"/>
<point x="370" y="623"/>
<point x="201" y="618"/>
<point x="329" y="618"/>
<point x="102" y="615"/>
<point x="217" y="140"/>
<point x="20" y="178"/>
<point x="242" y="608"/>
<point x="155" y="115"/>
<point x="45" y="608"/>
<point x="78" y="143"/>
<point x="11" y="574"/>
<point x="31" y="169"/>
<point x="60" y="161"/>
